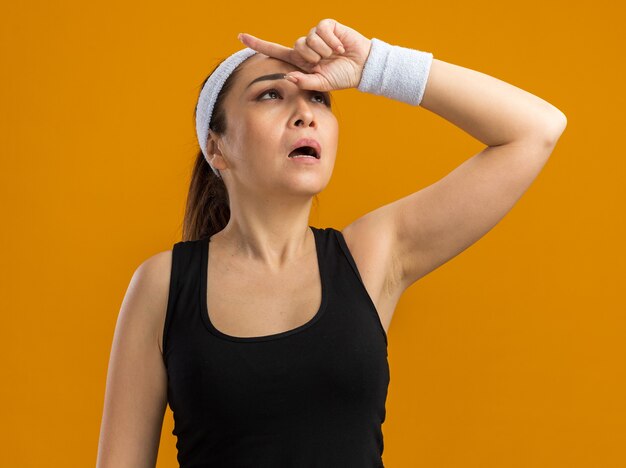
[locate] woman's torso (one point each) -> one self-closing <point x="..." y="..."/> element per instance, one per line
<point x="275" y="366"/>
<point x="230" y="303"/>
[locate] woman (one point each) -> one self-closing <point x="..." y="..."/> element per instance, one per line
<point x="272" y="350"/>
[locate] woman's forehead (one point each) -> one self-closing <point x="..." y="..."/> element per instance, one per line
<point x="262" y="64"/>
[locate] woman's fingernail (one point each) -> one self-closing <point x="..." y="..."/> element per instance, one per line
<point x="340" y="49"/>
<point x="240" y="37"/>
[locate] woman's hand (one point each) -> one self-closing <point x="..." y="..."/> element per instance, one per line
<point x="332" y="55"/>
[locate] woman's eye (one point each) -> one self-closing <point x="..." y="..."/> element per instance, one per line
<point x="269" y="91"/>
<point x="324" y="100"/>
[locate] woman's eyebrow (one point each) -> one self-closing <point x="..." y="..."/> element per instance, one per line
<point x="274" y="76"/>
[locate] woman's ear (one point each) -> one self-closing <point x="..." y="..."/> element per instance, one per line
<point x="211" y="143"/>
<point x="213" y="150"/>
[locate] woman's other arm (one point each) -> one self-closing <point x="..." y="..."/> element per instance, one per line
<point x="489" y="109"/>
<point x="520" y="130"/>
<point x="136" y="387"/>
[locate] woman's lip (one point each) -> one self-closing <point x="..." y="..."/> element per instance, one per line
<point x="308" y="142"/>
<point x="306" y="160"/>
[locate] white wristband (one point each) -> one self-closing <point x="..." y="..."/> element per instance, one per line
<point x="396" y="72"/>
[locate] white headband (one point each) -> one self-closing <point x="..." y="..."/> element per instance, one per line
<point x="209" y="93"/>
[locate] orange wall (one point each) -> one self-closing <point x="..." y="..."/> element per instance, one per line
<point x="510" y="355"/>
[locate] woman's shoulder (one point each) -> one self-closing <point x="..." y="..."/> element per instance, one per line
<point x="155" y="270"/>
<point x="149" y="291"/>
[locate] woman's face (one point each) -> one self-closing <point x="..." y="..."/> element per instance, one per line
<point x="264" y="121"/>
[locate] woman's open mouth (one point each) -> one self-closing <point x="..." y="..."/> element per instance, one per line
<point x="304" y="152"/>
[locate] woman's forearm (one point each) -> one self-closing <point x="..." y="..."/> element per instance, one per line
<point x="489" y="109"/>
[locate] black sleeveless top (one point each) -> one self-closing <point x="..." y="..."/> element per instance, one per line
<point x="313" y="396"/>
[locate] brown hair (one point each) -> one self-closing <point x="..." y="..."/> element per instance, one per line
<point x="207" y="210"/>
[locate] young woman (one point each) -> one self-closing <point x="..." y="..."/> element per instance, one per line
<point x="271" y="345"/>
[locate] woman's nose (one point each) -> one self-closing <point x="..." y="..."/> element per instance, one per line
<point x="304" y="114"/>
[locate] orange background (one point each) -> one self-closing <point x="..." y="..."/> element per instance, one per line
<point x="512" y="354"/>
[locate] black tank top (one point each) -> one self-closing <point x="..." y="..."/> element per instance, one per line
<point x="313" y="396"/>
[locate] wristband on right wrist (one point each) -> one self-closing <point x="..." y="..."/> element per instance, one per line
<point x="396" y="72"/>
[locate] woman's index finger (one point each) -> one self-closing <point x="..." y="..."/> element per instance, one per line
<point x="265" y="47"/>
